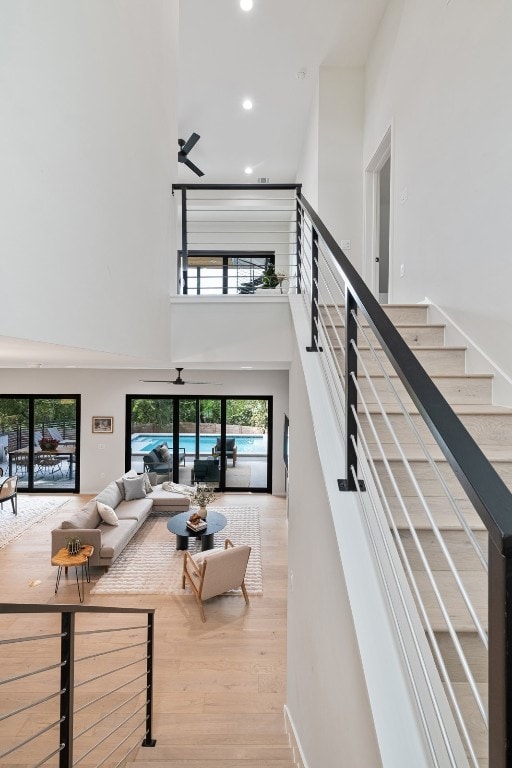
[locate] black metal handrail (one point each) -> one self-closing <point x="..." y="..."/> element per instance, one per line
<point x="64" y="743"/>
<point x="484" y="487"/>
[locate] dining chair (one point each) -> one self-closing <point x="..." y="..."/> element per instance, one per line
<point x="9" y="490"/>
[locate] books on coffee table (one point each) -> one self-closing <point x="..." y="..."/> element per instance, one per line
<point x="197" y="527"/>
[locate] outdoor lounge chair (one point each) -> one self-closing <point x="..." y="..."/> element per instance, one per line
<point x="206" y="471"/>
<point x="216" y="571"/>
<point x="231" y="449"/>
<point x="54" y="432"/>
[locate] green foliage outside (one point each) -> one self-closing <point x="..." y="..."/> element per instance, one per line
<point x="14" y="412"/>
<point x="159" y="413"/>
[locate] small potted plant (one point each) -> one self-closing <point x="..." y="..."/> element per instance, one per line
<point x="272" y="279"/>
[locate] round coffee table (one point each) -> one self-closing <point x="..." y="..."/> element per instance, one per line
<point x="178" y="525"/>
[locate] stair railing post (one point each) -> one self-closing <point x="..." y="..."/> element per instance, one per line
<point x="349" y="483"/>
<point x="298" y="230"/>
<point x="184" y="240"/>
<point x="314" y="293"/>
<point x="149" y="741"/>
<point x="67" y="684"/>
<point x="500" y="657"/>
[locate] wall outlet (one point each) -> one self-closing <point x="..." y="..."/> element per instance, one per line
<point x="102" y="475"/>
<point x="403" y="195"/>
<point x="402" y="270"/>
<point x="101" y="446"/>
<point x="345" y="245"/>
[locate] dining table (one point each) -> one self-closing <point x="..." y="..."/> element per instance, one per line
<point x="22" y="455"/>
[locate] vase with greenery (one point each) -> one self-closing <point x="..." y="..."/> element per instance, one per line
<point x="203" y="495"/>
<point x="48" y="444"/>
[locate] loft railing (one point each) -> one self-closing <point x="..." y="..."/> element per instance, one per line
<point x="374" y="377"/>
<point x="74" y="696"/>
<point x="230" y="233"/>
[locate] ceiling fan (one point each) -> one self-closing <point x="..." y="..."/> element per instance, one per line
<point x="178" y="380"/>
<point x="185" y="147"/>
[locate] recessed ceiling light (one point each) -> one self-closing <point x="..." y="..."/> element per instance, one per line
<point x="246" y="5"/>
<point x="248" y="170"/>
<point x="247" y="104"/>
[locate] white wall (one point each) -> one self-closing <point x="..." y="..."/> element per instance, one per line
<point x="326" y="692"/>
<point x="439" y="74"/>
<point x="87" y="155"/>
<point x="331" y="168"/>
<point x="340" y="136"/>
<point x="244" y="330"/>
<point x="103" y="393"/>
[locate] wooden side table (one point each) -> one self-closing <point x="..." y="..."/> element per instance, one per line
<point x="64" y="559"/>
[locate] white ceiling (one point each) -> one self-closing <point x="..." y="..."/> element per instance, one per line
<point x="227" y="55"/>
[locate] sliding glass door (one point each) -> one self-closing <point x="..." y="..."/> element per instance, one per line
<point x="39" y="441"/>
<point x="225" y="441"/>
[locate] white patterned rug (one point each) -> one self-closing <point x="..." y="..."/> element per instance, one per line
<point x="30" y="512"/>
<point x="151" y="564"/>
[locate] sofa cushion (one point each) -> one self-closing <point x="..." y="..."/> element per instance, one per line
<point x="107" y="514"/>
<point x="115" y="539"/>
<point x="164" y="501"/>
<point x="138" y="509"/>
<point x="88" y="517"/>
<point x="110" y="495"/>
<point x="134" y="488"/>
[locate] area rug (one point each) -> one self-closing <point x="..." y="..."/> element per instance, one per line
<point x="30" y="512"/>
<point x="151" y="564"/>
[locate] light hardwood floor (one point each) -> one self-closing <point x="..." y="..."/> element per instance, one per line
<point x="219" y="686"/>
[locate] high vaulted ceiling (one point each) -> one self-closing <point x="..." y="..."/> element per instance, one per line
<point x="227" y="55"/>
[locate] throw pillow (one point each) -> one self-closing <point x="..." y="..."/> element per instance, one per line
<point x="134" y="488"/>
<point x="165" y="453"/>
<point x="107" y="514"/>
<point x="120" y="483"/>
<point x="147" y="483"/>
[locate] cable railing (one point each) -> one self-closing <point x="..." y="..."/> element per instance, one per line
<point x="429" y="495"/>
<point x="75" y="695"/>
<point x="230" y="233"/>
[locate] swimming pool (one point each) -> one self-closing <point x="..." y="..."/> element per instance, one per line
<point x="246" y="444"/>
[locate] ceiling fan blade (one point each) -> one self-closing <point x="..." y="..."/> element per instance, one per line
<point x="191" y="142"/>
<point x="192" y="167"/>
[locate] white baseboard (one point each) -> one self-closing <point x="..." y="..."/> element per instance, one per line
<point x="477" y="361"/>
<point x="298" y="757"/>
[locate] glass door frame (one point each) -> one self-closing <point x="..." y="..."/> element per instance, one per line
<point x="31" y="399"/>
<point x="176" y="432"/>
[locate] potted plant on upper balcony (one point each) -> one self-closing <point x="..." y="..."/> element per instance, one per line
<point x="272" y="280"/>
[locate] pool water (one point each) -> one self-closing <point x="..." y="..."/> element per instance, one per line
<point x="246" y="444"/>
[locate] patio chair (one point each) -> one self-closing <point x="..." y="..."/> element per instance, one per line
<point x="9" y="490"/>
<point x="48" y="463"/>
<point x="37" y="437"/>
<point x="206" y="471"/>
<point x="54" y="432"/>
<point x="231" y="449"/>
<point x="216" y="571"/>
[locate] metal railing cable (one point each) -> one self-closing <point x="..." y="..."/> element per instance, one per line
<point x="481" y="485"/>
<point x="428" y="626"/>
<point x="424" y="559"/>
<point x="111" y="728"/>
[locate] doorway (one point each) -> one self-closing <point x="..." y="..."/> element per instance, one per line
<point x="40" y="441"/>
<point x="378" y="220"/>
<point x="229" y="438"/>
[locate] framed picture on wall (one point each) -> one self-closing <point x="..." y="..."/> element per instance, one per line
<point x="102" y="423"/>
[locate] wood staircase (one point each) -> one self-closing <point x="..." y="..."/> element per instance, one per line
<point x="218" y="741"/>
<point x="470" y="396"/>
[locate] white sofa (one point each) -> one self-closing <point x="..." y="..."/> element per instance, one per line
<point x="109" y="540"/>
